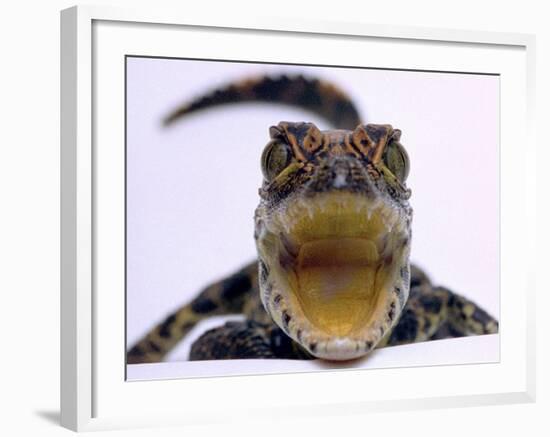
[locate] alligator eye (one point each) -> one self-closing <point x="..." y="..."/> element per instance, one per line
<point x="396" y="159"/>
<point x="275" y="158"/>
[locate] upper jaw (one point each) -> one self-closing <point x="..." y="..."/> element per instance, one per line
<point x="335" y="263"/>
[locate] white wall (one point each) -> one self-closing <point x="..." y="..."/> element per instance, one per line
<point x="29" y="223"/>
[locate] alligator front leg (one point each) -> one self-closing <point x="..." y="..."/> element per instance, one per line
<point x="434" y="313"/>
<point x="247" y="339"/>
<point x="227" y="296"/>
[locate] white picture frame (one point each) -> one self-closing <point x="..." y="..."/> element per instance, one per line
<point x="94" y="394"/>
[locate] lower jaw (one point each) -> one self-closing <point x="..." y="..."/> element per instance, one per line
<point x="341" y="349"/>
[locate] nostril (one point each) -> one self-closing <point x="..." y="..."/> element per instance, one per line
<point x="340" y="178"/>
<point x="341" y="173"/>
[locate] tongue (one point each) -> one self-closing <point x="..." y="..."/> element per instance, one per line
<point x="337" y="283"/>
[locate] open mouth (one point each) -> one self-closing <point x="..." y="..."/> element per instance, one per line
<point x="335" y="257"/>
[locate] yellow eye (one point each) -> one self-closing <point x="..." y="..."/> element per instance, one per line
<point x="396" y="159"/>
<point x="275" y="158"/>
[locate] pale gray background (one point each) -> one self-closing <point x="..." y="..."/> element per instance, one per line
<point x="192" y="188"/>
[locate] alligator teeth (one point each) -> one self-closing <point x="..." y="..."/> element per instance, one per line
<point x="369" y="213"/>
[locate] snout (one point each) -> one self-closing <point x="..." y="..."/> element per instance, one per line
<point x="341" y="173"/>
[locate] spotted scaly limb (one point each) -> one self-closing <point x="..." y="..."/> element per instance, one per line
<point x="333" y="234"/>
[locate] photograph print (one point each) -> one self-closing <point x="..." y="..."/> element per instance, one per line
<point x="286" y="218"/>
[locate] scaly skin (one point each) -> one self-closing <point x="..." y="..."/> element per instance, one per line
<point x="332" y="279"/>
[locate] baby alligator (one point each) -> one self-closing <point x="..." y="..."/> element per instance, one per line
<point x="333" y="236"/>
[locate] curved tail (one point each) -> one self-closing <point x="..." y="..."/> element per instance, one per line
<point x="319" y="97"/>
